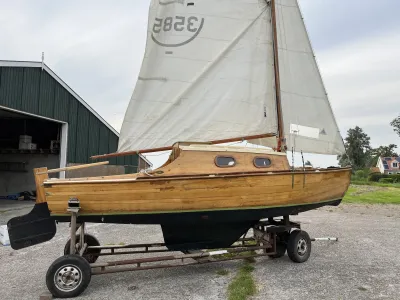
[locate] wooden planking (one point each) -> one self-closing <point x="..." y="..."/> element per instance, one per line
<point x="200" y="182"/>
<point x="202" y="162"/>
<point x="39" y="178"/>
<point x="162" y="179"/>
<point x="197" y="162"/>
<point x="222" y="202"/>
<point x="198" y="194"/>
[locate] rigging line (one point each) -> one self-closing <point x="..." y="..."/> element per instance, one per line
<point x="292" y="167"/>
<point x="304" y="169"/>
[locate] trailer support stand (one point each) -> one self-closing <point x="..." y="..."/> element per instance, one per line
<point x="73" y="208"/>
<point x="73" y="233"/>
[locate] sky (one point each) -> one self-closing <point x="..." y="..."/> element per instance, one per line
<point x="97" y="47"/>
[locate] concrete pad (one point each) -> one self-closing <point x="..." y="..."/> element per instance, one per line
<point x="364" y="264"/>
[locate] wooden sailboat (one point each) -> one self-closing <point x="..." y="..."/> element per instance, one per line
<point x="218" y="71"/>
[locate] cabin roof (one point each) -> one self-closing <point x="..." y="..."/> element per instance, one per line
<point x="215" y="148"/>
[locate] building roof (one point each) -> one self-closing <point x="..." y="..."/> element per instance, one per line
<point x="374" y="170"/>
<point x="36" y="64"/>
<point x="388" y="163"/>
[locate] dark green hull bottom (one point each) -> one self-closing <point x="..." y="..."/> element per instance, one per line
<point x="182" y="230"/>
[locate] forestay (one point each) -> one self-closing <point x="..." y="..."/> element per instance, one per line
<point x="207" y="74"/>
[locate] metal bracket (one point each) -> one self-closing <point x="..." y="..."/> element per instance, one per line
<point x="73" y="208"/>
<point x="73" y="205"/>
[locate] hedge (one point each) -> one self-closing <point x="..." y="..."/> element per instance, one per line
<point x="386" y="180"/>
<point x="377" y="177"/>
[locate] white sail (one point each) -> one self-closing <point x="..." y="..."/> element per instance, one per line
<point x="309" y="122"/>
<point x="207" y="74"/>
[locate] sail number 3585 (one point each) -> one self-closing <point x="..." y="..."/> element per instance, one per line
<point x="177" y="23"/>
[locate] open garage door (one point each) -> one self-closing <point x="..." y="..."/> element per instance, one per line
<point x="27" y="142"/>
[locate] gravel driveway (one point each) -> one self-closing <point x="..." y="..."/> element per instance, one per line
<point x="364" y="264"/>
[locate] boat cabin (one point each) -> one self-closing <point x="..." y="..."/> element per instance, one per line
<point x="202" y="158"/>
<point x="196" y="158"/>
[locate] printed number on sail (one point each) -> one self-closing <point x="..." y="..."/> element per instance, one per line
<point x="178" y="23"/>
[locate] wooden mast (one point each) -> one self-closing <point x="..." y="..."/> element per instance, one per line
<point x="281" y="133"/>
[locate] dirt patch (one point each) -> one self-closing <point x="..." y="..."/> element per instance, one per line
<point x="362" y="189"/>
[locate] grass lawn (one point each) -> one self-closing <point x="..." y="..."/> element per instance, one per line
<point x="372" y="194"/>
<point x="394" y="185"/>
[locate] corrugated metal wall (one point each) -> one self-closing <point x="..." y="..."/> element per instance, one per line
<point x="33" y="90"/>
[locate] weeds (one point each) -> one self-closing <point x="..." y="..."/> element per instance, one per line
<point x="243" y="285"/>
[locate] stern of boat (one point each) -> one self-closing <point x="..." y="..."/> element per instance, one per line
<point x="37" y="226"/>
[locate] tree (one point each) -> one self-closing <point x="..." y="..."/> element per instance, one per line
<point x="357" y="149"/>
<point x="382" y="151"/>
<point x="396" y="125"/>
<point x="385" y="151"/>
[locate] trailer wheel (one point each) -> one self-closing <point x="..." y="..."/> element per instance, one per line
<point x="281" y="244"/>
<point x="299" y="246"/>
<point x="68" y="276"/>
<point x="91" y="255"/>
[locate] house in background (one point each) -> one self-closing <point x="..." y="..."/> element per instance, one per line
<point x="389" y="165"/>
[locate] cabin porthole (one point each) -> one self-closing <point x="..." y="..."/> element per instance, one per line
<point x="225" y="161"/>
<point x="262" y="162"/>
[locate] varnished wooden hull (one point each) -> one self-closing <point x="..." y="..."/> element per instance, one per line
<point x="195" y="212"/>
<point x="198" y="203"/>
<point x="198" y="212"/>
<point x="250" y="191"/>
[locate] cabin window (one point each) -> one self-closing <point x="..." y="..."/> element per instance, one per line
<point x="394" y="165"/>
<point x="262" y="162"/>
<point x="225" y="161"/>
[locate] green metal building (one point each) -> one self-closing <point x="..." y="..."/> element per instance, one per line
<point x="43" y="121"/>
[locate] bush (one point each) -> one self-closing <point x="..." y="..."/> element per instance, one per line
<point x="386" y="180"/>
<point x="396" y="178"/>
<point x="360" y="174"/>
<point x="377" y="177"/>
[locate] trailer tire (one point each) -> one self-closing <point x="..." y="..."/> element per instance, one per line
<point x="68" y="276"/>
<point x="299" y="246"/>
<point x="92" y="255"/>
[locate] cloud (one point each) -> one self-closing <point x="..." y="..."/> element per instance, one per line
<point x="332" y="22"/>
<point x="362" y="81"/>
<point x="97" y="48"/>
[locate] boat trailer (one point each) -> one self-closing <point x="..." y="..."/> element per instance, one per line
<point x="69" y="275"/>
